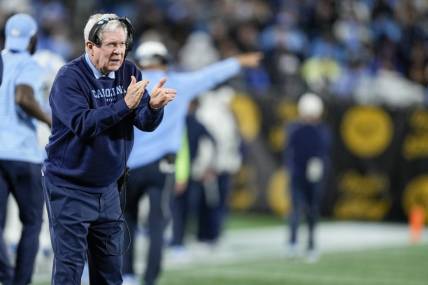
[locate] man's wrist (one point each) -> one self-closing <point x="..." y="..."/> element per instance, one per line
<point x="153" y="108"/>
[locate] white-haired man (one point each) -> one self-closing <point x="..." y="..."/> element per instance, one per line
<point x="96" y="100"/>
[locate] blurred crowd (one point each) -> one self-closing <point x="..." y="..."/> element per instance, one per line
<point x="370" y="51"/>
<point x="363" y="51"/>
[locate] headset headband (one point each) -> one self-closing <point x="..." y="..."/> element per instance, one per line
<point x="94" y="37"/>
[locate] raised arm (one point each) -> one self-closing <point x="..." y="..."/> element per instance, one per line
<point x="209" y="77"/>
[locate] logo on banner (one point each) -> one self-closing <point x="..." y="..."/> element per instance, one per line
<point x="415" y="143"/>
<point x="362" y="196"/>
<point x="366" y="131"/>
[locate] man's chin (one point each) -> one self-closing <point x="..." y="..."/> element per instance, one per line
<point x="115" y="66"/>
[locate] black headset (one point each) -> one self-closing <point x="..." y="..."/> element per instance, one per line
<point x="94" y="33"/>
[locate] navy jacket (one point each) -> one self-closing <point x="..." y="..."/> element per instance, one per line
<point x="306" y="141"/>
<point x="92" y="128"/>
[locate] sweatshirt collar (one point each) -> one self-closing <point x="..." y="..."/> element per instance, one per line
<point x="95" y="71"/>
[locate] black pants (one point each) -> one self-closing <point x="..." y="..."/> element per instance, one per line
<point x="158" y="185"/>
<point x="22" y="180"/>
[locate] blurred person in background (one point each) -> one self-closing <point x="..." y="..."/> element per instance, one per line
<point x="51" y="62"/>
<point x="1" y="69"/>
<point x="20" y="154"/>
<point x="216" y="115"/>
<point x="306" y="160"/>
<point x="152" y="159"/>
<point x="387" y="86"/>
<point x="200" y="192"/>
<point x="96" y="100"/>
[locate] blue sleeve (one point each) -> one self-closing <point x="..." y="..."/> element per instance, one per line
<point x="1" y="69"/>
<point x="147" y="119"/>
<point x="208" y="77"/>
<point x="70" y="105"/>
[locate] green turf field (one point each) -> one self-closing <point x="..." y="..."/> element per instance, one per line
<point x="395" y="266"/>
<point x="392" y="266"/>
<point x="238" y="221"/>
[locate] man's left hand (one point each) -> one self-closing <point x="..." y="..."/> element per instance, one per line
<point x="161" y="96"/>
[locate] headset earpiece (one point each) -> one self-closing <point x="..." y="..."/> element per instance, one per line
<point x="130" y="36"/>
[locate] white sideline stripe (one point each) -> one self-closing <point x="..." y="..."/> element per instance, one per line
<point x="248" y="244"/>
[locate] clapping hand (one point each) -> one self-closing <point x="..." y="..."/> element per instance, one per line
<point x="135" y="92"/>
<point x="161" y="96"/>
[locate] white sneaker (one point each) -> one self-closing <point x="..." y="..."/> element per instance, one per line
<point x="292" y="251"/>
<point x="312" y="256"/>
<point x="178" y="255"/>
<point x="130" y="279"/>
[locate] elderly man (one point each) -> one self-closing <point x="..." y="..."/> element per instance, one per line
<point x="96" y="101"/>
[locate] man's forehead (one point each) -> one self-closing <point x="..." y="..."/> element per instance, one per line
<point x="118" y="34"/>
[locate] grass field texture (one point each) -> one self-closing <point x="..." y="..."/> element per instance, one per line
<point x="406" y="265"/>
<point x="390" y="266"/>
<point x="375" y="254"/>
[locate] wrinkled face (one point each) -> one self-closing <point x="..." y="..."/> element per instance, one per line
<point x="110" y="54"/>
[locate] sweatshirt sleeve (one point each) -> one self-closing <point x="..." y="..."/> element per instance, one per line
<point x="70" y="105"/>
<point x="147" y="119"/>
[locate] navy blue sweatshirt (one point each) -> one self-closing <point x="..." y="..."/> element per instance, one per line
<point x="92" y="128"/>
<point x="306" y="141"/>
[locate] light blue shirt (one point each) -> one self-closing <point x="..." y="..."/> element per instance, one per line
<point x="95" y="71"/>
<point x="18" y="137"/>
<point x="166" y="139"/>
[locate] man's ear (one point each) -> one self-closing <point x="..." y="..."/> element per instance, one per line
<point x="90" y="46"/>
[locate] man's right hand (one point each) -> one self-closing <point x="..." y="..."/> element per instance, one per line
<point x="250" y="59"/>
<point x="135" y="92"/>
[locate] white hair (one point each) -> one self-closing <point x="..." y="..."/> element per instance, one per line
<point x="110" y="26"/>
